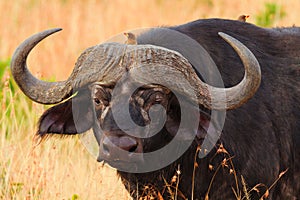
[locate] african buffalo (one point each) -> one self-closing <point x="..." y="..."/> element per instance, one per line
<point x="260" y="137"/>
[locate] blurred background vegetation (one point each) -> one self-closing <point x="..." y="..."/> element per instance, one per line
<point x="62" y="169"/>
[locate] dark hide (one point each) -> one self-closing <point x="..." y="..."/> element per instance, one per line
<point x="262" y="136"/>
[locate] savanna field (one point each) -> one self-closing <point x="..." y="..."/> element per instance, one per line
<point x="62" y="168"/>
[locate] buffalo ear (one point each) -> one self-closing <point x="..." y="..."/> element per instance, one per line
<point x="69" y="118"/>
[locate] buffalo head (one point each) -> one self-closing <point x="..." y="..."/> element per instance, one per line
<point x="90" y="98"/>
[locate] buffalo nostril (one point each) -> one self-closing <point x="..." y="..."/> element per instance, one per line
<point x="120" y="148"/>
<point x="128" y="144"/>
<point x="133" y="148"/>
<point x="111" y="145"/>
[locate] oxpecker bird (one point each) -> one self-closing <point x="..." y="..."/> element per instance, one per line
<point x="243" y="18"/>
<point x="131" y="39"/>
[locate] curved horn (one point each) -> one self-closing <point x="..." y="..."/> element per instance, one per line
<point x="87" y="70"/>
<point x="206" y="95"/>
<point x="242" y="92"/>
<point x="37" y="90"/>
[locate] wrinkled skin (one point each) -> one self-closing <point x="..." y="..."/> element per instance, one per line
<point x="262" y="136"/>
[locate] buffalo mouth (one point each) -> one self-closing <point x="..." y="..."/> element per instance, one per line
<point x="116" y="148"/>
<point x="123" y="151"/>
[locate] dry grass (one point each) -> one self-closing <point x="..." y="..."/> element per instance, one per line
<point x="89" y="22"/>
<point x="243" y="193"/>
<point x="62" y="169"/>
<point x="240" y="189"/>
<point x="56" y="169"/>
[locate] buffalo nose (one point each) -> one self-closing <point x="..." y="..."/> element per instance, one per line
<point x="112" y="144"/>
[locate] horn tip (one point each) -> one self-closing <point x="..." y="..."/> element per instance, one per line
<point x="227" y="37"/>
<point x="223" y="35"/>
<point x="55" y="30"/>
<point x="51" y="31"/>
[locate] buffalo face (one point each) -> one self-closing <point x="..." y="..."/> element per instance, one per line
<point x="153" y="111"/>
<point x="155" y="105"/>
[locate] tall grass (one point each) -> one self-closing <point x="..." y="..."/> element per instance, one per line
<point x="62" y="169"/>
<point x="53" y="170"/>
<point x="89" y="22"/>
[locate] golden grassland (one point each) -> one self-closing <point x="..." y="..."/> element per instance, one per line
<point x="63" y="169"/>
<point x="89" y="22"/>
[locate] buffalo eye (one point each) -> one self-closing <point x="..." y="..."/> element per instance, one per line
<point x="101" y="96"/>
<point x="97" y="101"/>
